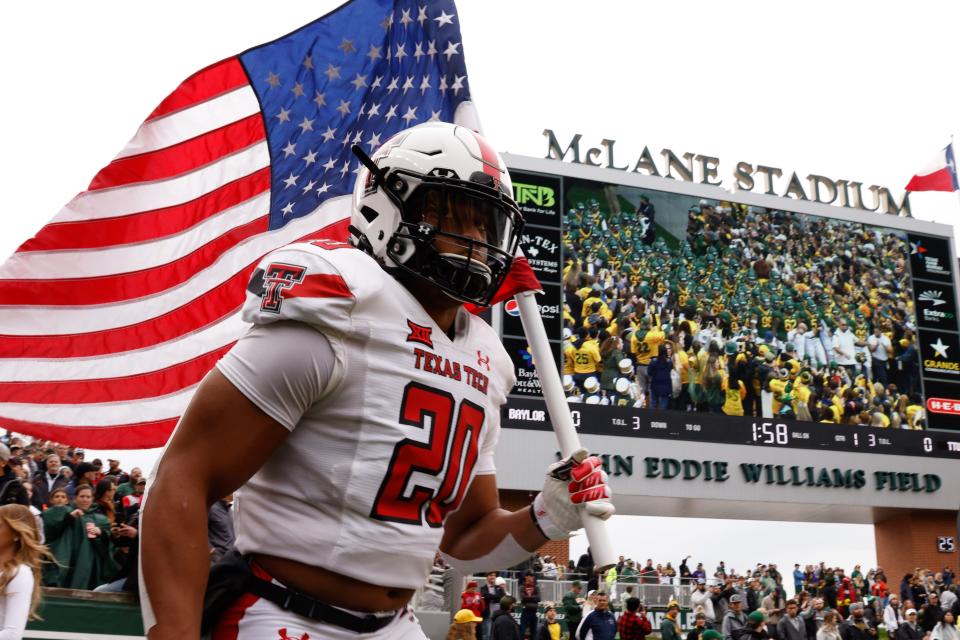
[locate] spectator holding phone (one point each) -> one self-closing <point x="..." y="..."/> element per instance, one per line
<point x="79" y="538"/>
<point x="633" y="623"/>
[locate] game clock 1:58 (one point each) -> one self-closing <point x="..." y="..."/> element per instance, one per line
<point x="771" y="433"/>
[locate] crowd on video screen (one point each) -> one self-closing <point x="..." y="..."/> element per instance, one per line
<point x="750" y="312"/>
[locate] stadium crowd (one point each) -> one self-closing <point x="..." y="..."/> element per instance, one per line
<point x="87" y="512"/>
<point x="814" y="602"/>
<point x="757" y="312"/>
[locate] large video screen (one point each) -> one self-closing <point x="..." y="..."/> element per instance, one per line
<point x="713" y="316"/>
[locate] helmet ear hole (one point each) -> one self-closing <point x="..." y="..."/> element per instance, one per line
<point x="370" y="214"/>
<point x="403" y="249"/>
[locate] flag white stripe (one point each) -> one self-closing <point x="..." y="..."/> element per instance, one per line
<point x="938" y="163"/>
<point x="147" y="196"/>
<point x="129" y="363"/>
<point x="36" y="320"/>
<point x="88" y="263"/>
<point x="101" y="414"/>
<point x="192" y="122"/>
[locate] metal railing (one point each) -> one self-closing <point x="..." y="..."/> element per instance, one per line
<point x="651" y="595"/>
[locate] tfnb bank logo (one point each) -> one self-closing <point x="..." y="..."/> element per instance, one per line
<point x="533" y="194"/>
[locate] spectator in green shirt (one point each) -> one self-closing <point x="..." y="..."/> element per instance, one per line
<point x="670" y="627"/>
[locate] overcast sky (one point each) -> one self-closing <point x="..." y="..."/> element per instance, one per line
<point x="856" y="91"/>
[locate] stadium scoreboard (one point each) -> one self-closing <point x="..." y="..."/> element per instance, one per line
<point x="921" y="272"/>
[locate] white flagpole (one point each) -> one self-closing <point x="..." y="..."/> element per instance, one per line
<point x="953" y="148"/>
<point x="600" y="545"/>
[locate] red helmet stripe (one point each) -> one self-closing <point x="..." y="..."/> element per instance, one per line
<point x="491" y="166"/>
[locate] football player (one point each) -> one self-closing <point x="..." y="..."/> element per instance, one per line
<point x="358" y="416"/>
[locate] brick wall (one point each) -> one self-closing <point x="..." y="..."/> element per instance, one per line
<point x="909" y="540"/>
<point x="513" y="500"/>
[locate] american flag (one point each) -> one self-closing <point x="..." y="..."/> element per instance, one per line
<point x="115" y="311"/>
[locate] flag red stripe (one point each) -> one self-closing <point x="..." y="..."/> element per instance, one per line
<point x="180" y="158"/>
<point x="149" y="225"/>
<point x="217" y="303"/>
<point x="145" y="385"/>
<point x="136" y="435"/>
<point x="130" y="285"/>
<point x="321" y="285"/>
<point x="937" y="181"/>
<point x="196" y="314"/>
<point x="205" y="84"/>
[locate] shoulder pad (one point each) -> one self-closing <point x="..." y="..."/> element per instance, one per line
<point x="319" y="283"/>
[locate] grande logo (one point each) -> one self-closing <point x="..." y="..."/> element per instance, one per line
<point x="944" y="365"/>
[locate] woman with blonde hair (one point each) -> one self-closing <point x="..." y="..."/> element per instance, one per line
<point x="829" y="630"/>
<point x="21" y="560"/>
<point x="464" y="626"/>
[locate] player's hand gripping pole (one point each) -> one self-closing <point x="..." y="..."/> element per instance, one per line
<point x="569" y="440"/>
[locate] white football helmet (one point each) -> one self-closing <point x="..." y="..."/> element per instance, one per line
<point x="436" y="201"/>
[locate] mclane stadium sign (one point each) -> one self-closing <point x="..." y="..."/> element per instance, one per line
<point x="704" y="169"/>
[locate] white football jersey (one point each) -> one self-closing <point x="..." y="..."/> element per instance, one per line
<point x="387" y="448"/>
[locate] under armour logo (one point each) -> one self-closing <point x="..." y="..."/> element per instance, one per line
<point x="482" y="360"/>
<point x="284" y="636"/>
<point x="419" y="333"/>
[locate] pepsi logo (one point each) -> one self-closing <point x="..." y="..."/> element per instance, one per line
<point x="512" y="308"/>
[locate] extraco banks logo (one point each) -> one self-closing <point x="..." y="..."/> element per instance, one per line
<point x="533" y="194"/>
<point x="933" y="298"/>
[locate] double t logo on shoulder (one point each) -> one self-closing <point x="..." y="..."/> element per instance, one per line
<point x="278" y="278"/>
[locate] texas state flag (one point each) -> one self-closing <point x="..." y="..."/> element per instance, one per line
<point x="939" y="175"/>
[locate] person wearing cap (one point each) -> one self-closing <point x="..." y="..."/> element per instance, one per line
<point x="573" y="606"/>
<point x="503" y="626"/>
<point x="711" y="634"/>
<point x="857" y="626"/>
<point x="670" y="626"/>
<point x="600" y="622"/>
<point x="909" y="629"/>
<point x="84" y="474"/>
<point x="703" y="598"/>
<point x="471" y="600"/>
<point x="491" y="592"/>
<point x="699" y="625"/>
<point x="931" y="613"/>
<point x="892" y="618"/>
<point x="734" y="619"/>
<point x="464" y="626"/>
<point x="633" y="623"/>
<point x="755" y="627"/>
<point x="12" y="490"/>
<point x="550" y="628"/>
